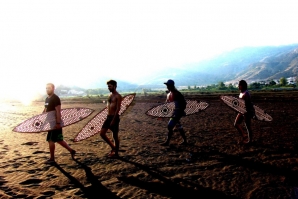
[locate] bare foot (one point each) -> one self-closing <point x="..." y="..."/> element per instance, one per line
<point x="72" y="153"/>
<point x="50" y="161"/>
<point x="113" y="154"/>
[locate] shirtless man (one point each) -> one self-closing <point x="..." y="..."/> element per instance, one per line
<point x="53" y="103"/>
<point x="112" y="121"/>
<point x="175" y="96"/>
<point x="244" y="94"/>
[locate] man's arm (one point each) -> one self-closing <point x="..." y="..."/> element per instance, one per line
<point x="168" y="95"/>
<point x="118" y="107"/>
<point x="119" y="100"/>
<point x="58" y="116"/>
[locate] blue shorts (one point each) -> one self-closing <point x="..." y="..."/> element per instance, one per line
<point x="175" y="119"/>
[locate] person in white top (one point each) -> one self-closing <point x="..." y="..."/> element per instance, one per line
<point x="244" y="94"/>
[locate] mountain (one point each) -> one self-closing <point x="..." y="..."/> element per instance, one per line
<point x="274" y="67"/>
<point x="250" y="63"/>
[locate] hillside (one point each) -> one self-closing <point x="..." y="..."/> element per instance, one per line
<point x="251" y="63"/>
<point x="274" y="67"/>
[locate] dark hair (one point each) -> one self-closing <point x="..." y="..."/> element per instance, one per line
<point x="243" y="84"/>
<point x="113" y="82"/>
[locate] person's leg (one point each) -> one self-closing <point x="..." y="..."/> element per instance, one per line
<point x="171" y="125"/>
<point x="116" y="141"/>
<point x="248" y="128"/>
<point x="182" y="133"/>
<point x="237" y="124"/>
<point x="103" y="134"/>
<point x="52" y="150"/>
<point x="115" y="130"/>
<point x="51" y="145"/>
<point x="65" y="145"/>
<point x="57" y="136"/>
<point x="115" y="151"/>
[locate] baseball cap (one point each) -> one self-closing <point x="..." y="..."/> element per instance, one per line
<point x="170" y="82"/>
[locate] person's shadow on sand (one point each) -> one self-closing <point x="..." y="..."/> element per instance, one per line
<point x="96" y="190"/>
<point x="170" y="188"/>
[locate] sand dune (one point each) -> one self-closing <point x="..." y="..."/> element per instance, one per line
<point x="213" y="165"/>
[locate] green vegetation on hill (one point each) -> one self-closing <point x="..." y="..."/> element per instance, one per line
<point x="220" y="87"/>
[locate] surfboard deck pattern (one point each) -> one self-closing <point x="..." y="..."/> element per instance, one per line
<point x="94" y="125"/>
<point x="234" y="103"/>
<point x="47" y="121"/>
<point x="239" y="106"/>
<point x="167" y="109"/>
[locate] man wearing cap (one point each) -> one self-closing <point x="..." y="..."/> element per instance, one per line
<point x="180" y="104"/>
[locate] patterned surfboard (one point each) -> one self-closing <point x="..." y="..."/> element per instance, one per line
<point x="239" y="106"/>
<point x="167" y="109"/>
<point x="94" y="125"/>
<point x="47" y="121"/>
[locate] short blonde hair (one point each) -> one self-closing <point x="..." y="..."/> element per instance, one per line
<point x="51" y="84"/>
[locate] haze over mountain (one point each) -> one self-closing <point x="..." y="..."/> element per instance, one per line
<point x="250" y="63"/>
<point x="273" y="67"/>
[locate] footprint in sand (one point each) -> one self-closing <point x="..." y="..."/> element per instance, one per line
<point x="51" y="176"/>
<point x="6" y="189"/>
<point x="20" y="196"/>
<point x="31" y="171"/>
<point x="16" y="165"/>
<point x="2" y="181"/>
<point x="30" y="143"/>
<point x="56" y="187"/>
<point x="42" y="197"/>
<point x="31" y="182"/>
<point x="48" y="193"/>
<point x="37" y="152"/>
<point x="17" y="153"/>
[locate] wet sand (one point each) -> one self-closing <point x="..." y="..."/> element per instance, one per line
<point x="213" y="165"/>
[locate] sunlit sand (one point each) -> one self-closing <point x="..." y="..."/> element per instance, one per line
<point x="212" y="166"/>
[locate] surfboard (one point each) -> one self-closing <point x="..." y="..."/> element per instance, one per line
<point x="94" y="125"/>
<point x="47" y="121"/>
<point x="239" y="106"/>
<point x="167" y="109"/>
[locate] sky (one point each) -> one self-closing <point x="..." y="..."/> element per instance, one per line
<point x="75" y="42"/>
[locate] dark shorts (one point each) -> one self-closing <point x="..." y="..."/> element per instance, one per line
<point x="244" y="117"/>
<point x="115" y="127"/>
<point x="55" y="135"/>
<point x="175" y="119"/>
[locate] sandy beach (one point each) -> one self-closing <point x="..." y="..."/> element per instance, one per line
<point x="213" y="165"/>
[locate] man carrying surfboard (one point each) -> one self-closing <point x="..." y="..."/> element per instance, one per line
<point x="53" y="103"/>
<point x="180" y="104"/>
<point x="113" y="118"/>
<point x="250" y="113"/>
